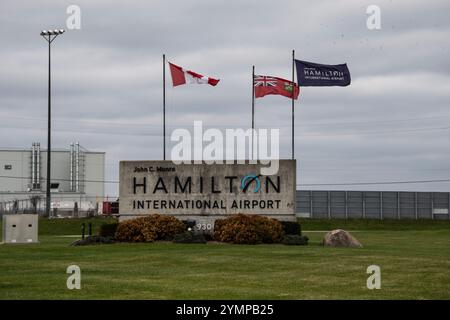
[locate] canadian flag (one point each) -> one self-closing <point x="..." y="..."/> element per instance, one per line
<point x="181" y="76"/>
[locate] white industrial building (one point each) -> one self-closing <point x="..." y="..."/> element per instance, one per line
<point x="77" y="179"/>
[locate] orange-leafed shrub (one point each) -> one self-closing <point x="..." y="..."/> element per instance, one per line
<point x="135" y="230"/>
<point x="166" y="227"/>
<point x="149" y="229"/>
<point x="248" y="229"/>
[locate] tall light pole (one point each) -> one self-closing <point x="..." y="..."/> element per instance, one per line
<point x="49" y="36"/>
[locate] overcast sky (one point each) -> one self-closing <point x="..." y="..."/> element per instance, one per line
<point x="390" y="124"/>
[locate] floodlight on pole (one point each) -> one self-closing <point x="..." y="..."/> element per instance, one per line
<point x="49" y="36"/>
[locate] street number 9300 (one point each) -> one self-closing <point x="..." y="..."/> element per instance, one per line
<point x="204" y="226"/>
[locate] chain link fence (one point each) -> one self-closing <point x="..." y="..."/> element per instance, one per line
<point x="60" y="206"/>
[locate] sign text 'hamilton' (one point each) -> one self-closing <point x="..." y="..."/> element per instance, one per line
<point x="249" y="184"/>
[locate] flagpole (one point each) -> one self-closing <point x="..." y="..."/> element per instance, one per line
<point x="253" y="110"/>
<point x="164" y="107"/>
<point x="293" y="95"/>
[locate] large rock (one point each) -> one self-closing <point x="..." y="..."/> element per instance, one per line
<point x="340" y="238"/>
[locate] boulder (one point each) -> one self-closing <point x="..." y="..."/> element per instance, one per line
<point x="340" y="238"/>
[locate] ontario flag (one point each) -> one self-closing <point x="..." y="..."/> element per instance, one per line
<point x="265" y="85"/>
<point x="181" y="76"/>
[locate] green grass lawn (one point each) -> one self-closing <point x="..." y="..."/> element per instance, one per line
<point x="414" y="258"/>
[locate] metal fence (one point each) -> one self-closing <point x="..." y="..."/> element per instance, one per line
<point x="60" y="207"/>
<point x="373" y="204"/>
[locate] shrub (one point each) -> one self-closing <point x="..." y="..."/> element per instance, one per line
<point x="248" y="229"/>
<point x="92" y="240"/>
<point x="295" y="240"/>
<point x="108" y="229"/>
<point x="149" y="229"/>
<point x="189" y="237"/>
<point x="189" y="224"/>
<point x="290" y="227"/>
<point x="166" y="227"/>
<point x="209" y="236"/>
<point x="135" y="230"/>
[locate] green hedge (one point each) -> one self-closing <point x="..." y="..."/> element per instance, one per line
<point x="290" y="227"/>
<point x="295" y="240"/>
<point x="108" y="229"/>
